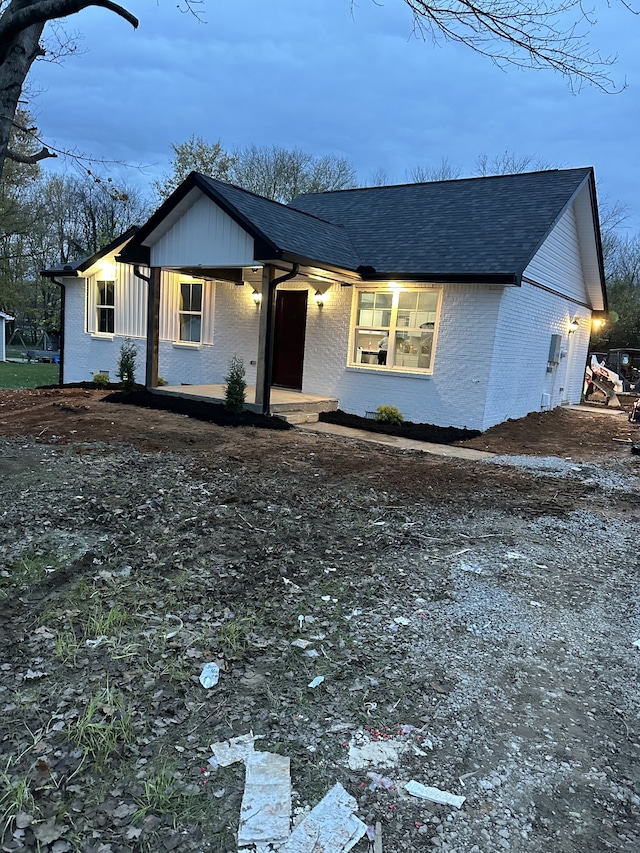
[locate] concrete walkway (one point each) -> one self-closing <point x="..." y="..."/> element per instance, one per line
<point x="399" y="443"/>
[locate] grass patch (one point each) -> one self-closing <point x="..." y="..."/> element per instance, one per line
<point x="104" y="727"/>
<point x="166" y="794"/>
<point x="15" y="797"/>
<point x="23" y="574"/>
<point x="16" y="375"/>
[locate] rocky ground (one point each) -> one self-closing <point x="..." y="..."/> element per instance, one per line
<point x="474" y="624"/>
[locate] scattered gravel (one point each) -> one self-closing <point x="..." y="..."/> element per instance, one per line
<point x="552" y="466"/>
<point x="477" y="621"/>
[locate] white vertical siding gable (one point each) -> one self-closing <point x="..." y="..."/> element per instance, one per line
<point x="558" y="264"/>
<point x="204" y="235"/>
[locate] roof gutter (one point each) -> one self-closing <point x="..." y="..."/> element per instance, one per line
<point x="63" y="299"/>
<point x="151" y="355"/>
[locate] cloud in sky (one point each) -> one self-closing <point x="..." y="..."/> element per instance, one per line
<point x="308" y="73"/>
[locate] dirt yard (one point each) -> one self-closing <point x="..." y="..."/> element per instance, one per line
<point x="477" y="626"/>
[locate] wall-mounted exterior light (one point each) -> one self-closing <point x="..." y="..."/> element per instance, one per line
<point x="574" y="325"/>
<point x="320" y="298"/>
<point x="108" y="270"/>
<point x="257" y="298"/>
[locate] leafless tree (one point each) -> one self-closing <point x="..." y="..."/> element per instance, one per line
<point x="443" y="171"/>
<point x="21" y="26"/>
<point x="526" y="33"/>
<point x="532" y="33"/>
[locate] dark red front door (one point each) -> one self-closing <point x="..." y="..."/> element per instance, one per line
<point x="289" y="332"/>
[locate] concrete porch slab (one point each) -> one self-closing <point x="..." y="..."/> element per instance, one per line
<point x="282" y="399"/>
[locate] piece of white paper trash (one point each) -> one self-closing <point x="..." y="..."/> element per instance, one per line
<point x="330" y="827"/>
<point x="434" y="794"/>
<point x="265" y="813"/>
<point x="230" y="751"/>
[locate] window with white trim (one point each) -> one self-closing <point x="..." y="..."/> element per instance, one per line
<point x="105" y="307"/>
<point x="190" y="312"/>
<point x="395" y="328"/>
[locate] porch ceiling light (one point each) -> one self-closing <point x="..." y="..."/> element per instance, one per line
<point x="320" y="298"/>
<point x="574" y="325"/>
<point x="257" y="298"/>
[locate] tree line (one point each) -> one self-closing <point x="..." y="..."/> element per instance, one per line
<point x="48" y="220"/>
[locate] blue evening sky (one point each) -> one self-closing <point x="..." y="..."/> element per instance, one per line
<point x="310" y="74"/>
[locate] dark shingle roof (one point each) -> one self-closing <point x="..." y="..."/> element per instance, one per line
<point x="474" y="226"/>
<point x="298" y="233"/>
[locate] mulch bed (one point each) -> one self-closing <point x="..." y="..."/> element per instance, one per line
<point x="417" y="432"/>
<point x="202" y="411"/>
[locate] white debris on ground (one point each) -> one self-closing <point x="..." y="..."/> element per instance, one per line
<point x="330" y="827"/>
<point x="435" y="795"/>
<point x="265" y="813"/>
<point x="367" y="752"/>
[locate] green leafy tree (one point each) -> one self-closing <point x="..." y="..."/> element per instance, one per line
<point x="622" y="328"/>
<point x="269" y="170"/>
<point x="236" y="387"/>
<point x="195" y="155"/>
<point x="127" y="365"/>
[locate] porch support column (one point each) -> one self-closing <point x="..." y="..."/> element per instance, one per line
<point x="265" y="340"/>
<point x="153" y="328"/>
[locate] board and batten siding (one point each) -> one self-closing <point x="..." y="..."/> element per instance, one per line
<point x="204" y="235"/>
<point x="130" y="303"/>
<point x="170" y="306"/>
<point x="558" y="264"/>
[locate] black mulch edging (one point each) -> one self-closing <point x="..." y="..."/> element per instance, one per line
<point x="212" y="412"/>
<point x="417" y="432"/>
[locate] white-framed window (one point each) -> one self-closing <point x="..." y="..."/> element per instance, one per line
<point x="190" y="312"/>
<point x="105" y="307"/>
<point x="394" y="328"/>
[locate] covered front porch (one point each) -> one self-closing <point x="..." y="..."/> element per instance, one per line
<point x="293" y="406"/>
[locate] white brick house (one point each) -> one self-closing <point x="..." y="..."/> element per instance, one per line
<point x="483" y="288"/>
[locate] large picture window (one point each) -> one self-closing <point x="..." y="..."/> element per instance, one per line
<point x="190" y="312"/>
<point x="105" y="307"/>
<point x="395" y="329"/>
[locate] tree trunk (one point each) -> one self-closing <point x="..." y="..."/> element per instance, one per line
<point x="19" y="57"/>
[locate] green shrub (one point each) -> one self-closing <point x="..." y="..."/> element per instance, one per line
<point x="162" y="381"/>
<point x="127" y="365"/>
<point x="234" y="392"/>
<point x="389" y="415"/>
<point x="101" y="379"/>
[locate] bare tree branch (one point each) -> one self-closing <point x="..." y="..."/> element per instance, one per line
<point x="525" y="33"/>
<point x="18" y="17"/>
<point x="29" y="159"/>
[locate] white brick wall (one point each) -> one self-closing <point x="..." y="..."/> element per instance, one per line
<point x="519" y="378"/>
<point x="235" y="332"/>
<point x="86" y="354"/>
<point x="453" y="396"/>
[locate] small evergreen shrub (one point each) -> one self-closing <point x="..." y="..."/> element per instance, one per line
<point x="235" y="390"/>
<point x="162" y="381"/>
<point x="389" y="415"/>
<point x="127" y="365"/>
<point x="101" y="380"/>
